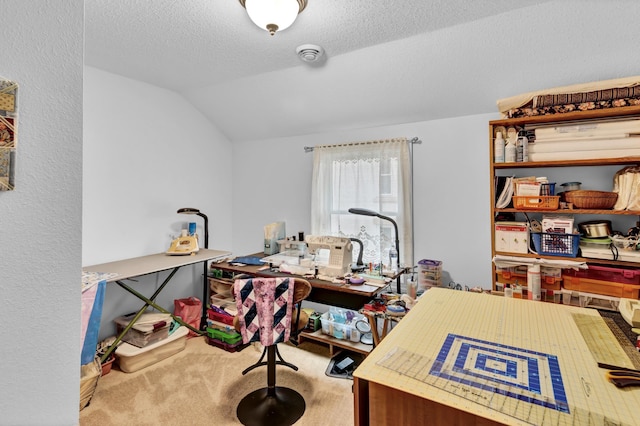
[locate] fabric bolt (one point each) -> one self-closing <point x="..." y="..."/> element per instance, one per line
<point x="264" y="309"/>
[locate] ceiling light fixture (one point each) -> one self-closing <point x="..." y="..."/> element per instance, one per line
<point x="273" y="15"/>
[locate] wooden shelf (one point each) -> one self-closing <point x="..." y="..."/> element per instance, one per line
<point x="568" y="163"/>
<point x="571" y="118"/>
<point x="572" y="211"/>
<point x="319" y="336"/>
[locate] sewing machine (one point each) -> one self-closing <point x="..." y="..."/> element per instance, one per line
<point x="340" y="254"/>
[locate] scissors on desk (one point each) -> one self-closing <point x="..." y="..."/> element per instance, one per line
<point x="623" y="378"/>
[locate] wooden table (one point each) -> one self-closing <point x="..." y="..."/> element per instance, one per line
<point x="476" y="359"/>
<point x="144" y="265"/>
<point x="322" y="291"/>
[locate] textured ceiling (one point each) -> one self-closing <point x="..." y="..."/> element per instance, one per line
<point x="386" y="61"/>
<point x="192" y="43"/>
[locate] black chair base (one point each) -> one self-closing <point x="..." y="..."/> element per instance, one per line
<point x="271" y="407"/>
<point x="279" y="361"/>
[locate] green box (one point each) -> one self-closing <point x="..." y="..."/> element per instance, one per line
<point x="230" y="338"/>
<point x="314" y="322"/>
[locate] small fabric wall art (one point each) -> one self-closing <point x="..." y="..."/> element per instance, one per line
<point x="8" y="133"/>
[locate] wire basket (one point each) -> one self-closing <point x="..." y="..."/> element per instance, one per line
<point x="584" y="199"/>
<point x="536" y="202"/>
<point x="551" y="244"/>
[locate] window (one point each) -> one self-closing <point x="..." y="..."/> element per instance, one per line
<point x="372" y="175"/>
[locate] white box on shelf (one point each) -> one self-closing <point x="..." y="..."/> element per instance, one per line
<point x="512" y="237"/>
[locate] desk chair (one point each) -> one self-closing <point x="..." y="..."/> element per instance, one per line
<point x="264" y="312"/>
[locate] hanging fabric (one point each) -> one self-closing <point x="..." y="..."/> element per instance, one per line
<point x="8" y="133"/>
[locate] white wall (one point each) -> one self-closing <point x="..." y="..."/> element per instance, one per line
<point x="40" y="222"/>
<point x="272" y="181"/>
<point x="147" y="153"/>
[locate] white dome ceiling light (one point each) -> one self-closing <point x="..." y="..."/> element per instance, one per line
<point x="273" y="15"/>
<point x="309" y="52"/>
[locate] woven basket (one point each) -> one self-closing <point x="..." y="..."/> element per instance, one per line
<point x="584" y="199"/>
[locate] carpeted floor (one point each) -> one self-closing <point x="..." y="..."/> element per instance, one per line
<point x="203" y="385"/>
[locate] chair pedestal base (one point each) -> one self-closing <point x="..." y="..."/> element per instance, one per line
<point x="271" y="406"/>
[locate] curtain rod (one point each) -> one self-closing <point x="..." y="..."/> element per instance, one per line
<point x="310" y="148"/>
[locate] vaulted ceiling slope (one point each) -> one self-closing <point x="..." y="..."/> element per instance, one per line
<point x="387" y="62"/>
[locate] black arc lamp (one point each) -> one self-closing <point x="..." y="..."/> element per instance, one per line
<point x="367" y="212"/>
<point x="190" y="210"/>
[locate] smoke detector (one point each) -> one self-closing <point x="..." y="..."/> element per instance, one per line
<point x="309" y="52"/>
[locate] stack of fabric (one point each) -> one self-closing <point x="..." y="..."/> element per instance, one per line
<point x="604" y="94"/>
<point x="594" y="140"/>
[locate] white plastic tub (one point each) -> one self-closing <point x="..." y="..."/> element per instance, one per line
<point x="132" y="358"/>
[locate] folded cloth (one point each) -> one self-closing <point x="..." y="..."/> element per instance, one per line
<point x="248" y="260"/>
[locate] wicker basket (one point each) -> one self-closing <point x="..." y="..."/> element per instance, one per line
<point x="583" y="199"/>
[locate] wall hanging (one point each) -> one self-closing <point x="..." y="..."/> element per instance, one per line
<point x="8" y="133"/>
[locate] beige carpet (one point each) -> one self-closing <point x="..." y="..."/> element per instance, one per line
<point x="202" y="385"/>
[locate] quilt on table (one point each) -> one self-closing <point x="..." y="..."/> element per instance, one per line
<point x="264" y="309"/>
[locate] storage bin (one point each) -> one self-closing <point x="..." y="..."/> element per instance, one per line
<point x="230" y="337"/>
<point x="550" y="244"/>
<point x="594" y="286"/>
<point x="236" y="347"/>
<point x="131" y="358"/>
<point x="220" y="286"/>
<point x="539" y="202"/>
<point x="607" y="273"/>
<point x="217" y="316"/>
<point x="429" y="273"/>
<point x="550" y="278"/>
<point x="150" y="328"/>
<point x="337" y="329"/>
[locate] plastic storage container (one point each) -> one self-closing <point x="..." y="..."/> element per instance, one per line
<point x="230" y="337"/>
<point x="429" y="273"/>
<point x="339" y="322"/>
<point x="551" y="278"/>
<point x="131" y="358"/>
<point x="617" y="282"/>
<point x="143" y="334"/>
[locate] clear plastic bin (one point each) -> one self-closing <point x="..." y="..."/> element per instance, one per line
<point x="339" y="322"/>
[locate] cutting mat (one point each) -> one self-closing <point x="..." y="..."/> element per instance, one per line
<point x="510" y="360"/>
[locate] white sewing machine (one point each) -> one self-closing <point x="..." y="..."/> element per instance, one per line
<point x="338" y="261"/>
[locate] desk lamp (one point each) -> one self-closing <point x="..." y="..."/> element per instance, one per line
<point x="189" y="210"/>
<point x="366" y="212"/>
<point x="358" y="266"/>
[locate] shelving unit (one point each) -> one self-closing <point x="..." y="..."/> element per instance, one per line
<point x="333" y="342"/>
<point x="502" y="169"/>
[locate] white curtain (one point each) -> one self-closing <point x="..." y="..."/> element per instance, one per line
<point x="373" y="175"/>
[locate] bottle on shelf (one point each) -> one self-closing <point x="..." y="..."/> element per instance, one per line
<point x="508" y="291"/>
<point x="510" y="151"/>
<point x="498" y="149"/>
<point x="533" y="282"/>
<point x="522" y="147"/>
